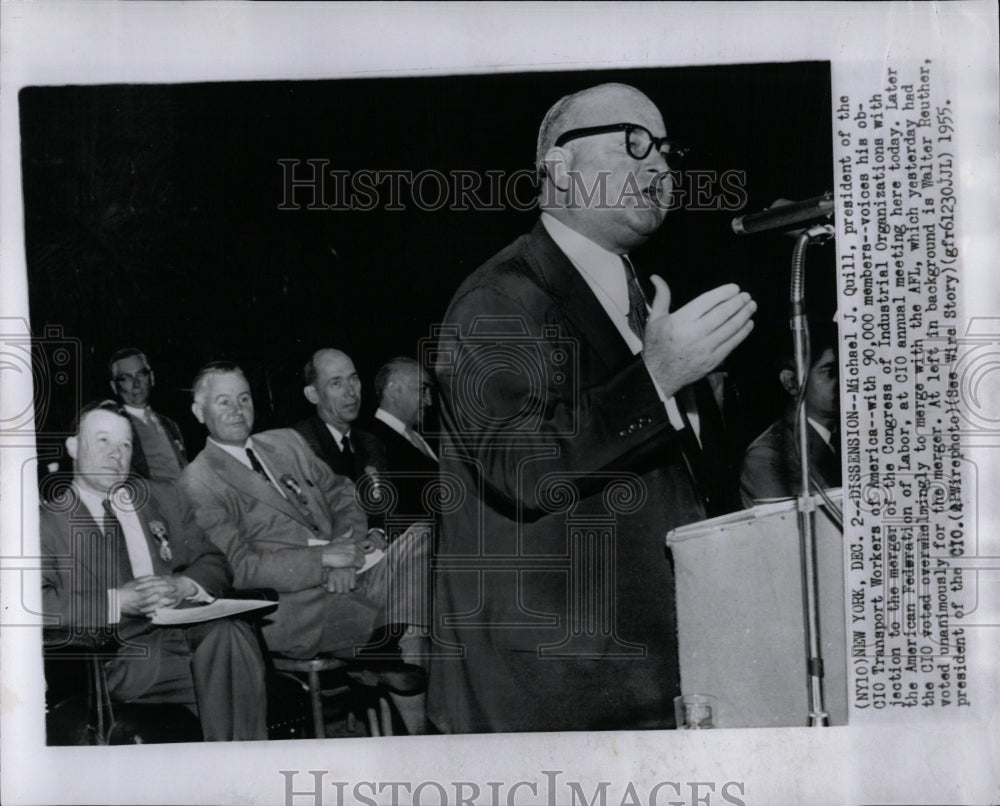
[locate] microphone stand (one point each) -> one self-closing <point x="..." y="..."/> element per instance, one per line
<point x="818" y="716"/>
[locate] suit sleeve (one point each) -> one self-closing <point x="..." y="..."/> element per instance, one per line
<point x="339" y="493"/>
<point x="76" y="594"/>
<point x="517" y="407"/>
<point x="764" y="474"/>
<point x="255" y="564"/>
<point x="201" y="560"/>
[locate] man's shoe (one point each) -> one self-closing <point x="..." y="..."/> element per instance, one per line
<point x="393" y="674"/>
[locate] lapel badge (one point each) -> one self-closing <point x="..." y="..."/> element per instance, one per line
<point x="293" y="487"/>
<point x="160" y="533"/>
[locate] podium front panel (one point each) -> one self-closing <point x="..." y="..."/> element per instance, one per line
<point x="741" y="616"/>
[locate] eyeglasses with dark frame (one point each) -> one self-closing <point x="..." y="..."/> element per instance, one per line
<point x="639" y="141"/>
<point x="142" y="375"/>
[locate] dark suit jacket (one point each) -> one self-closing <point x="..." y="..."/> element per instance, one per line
<point x="367" y="449"/>
<point x="140" y="467"/>
<point x="771" y="463"/>
<point x="80" y="562"/>
<point x="563" y="453"/>
<point x="407" y="470"/>
<point x="266" y="537"/>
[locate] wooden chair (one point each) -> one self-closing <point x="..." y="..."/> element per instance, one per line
<point x="378" y="711"/>
<point x="80" y="711"/>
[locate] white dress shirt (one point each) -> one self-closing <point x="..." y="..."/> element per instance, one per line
<point x="135" y="543"/>
<point x="604" y="273"/>
<point x="143" y="414"/>
<point x="338" y="437"/>
<point x="240" y="455"/>
<point x="823" y="431"/>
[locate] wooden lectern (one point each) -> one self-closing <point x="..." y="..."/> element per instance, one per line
<point x="741" y="615"/>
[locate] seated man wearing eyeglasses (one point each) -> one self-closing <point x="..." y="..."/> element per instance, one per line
<point x="158" y="447"/>
<point x="578" y="423"/>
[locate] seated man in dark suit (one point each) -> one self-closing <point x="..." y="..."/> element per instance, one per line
<point x="157" y="444"/>
<point x="404" y="392"/>
<point x="287" y="522"/>
<point x="333" y="387"/>
<point x="120" y="549"/>
<point x="771" y="463"/>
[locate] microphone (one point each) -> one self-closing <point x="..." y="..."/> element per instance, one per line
<point x="784" y="214"/>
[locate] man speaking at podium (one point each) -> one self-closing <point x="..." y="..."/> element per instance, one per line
<point x="573" y="415"/>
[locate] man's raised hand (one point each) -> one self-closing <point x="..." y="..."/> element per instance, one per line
<point x="681" y="347"/>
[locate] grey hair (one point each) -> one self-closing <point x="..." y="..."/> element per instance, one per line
<point x="385" y="374"/>
<point x="209" y="370"/>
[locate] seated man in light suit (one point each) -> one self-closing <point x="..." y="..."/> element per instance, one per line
<point x="771" y="463"/>
<point x="157" y="445"/>
<point x="128" y="546"/>
<point x="285" y="521"/>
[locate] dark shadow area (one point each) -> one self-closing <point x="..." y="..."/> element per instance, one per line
<point x="152" y="215"/>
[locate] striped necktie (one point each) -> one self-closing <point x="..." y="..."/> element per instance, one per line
<point x="638" y="313"/>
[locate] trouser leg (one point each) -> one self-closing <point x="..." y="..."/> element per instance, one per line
<point x="399" y="585"/>
<point x="228" y="676"/>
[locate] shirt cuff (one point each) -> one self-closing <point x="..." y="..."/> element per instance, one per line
<point x="200" y="595"/>
<point x="114" y="607"/>
<point x="673" y="413"/>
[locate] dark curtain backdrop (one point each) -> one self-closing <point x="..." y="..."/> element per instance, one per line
<point x="152" y="216"/>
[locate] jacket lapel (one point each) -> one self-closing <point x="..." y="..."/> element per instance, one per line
<point x="101" y="554"/>
<point x="251" y="484"/>
<point x="325" y="439"/>
<point x="576" y="301"/>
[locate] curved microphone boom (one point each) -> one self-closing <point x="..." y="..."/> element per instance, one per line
<point x="784" y="214"/>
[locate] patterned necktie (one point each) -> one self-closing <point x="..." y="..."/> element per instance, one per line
<point x="638" y="313"/>
<point x="257" y="466"/>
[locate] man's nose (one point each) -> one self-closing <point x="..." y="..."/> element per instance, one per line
<point x="655" y="162"/>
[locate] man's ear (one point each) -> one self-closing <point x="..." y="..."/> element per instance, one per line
<point x="311" y="395"/>
<point x="72" y="444"/>
<point x="114" y="387"/>
<point x="556" y="165"/>
<point x="196" y="410"/>
<point x="789" y="382"/>
<point x="152" y="379"/>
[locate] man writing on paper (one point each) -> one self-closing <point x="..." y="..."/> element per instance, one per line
<point x="134" y="547"/>
<point x="572" y="414"/>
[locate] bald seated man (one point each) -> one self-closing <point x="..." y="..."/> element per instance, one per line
<point x="332" y="385"/>
<point x="579" y="428"/>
